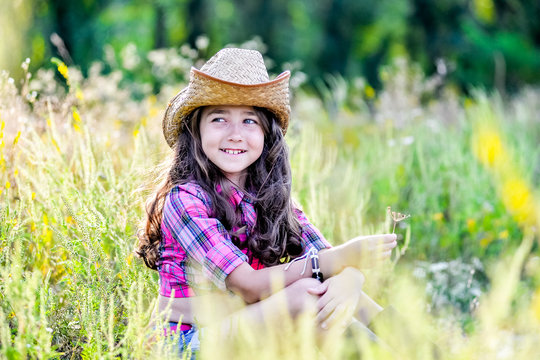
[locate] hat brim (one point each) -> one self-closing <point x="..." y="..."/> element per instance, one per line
<point x="206" y="90"/>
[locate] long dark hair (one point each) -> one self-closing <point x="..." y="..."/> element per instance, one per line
<point x="276" y="234"/>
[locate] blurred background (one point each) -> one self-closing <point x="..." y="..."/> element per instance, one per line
<point x="431" y="107"/>
<point x="486" y="43"/>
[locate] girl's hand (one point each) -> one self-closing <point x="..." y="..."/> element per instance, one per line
<point x="367" y="251"/>
<point x="339" y="298"/>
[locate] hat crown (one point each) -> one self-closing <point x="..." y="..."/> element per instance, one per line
<point x="239" y="66"/>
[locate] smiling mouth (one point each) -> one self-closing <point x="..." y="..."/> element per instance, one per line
<point x="233" y="151"/>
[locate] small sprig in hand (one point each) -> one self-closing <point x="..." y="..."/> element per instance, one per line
<point x="396" y="217"/>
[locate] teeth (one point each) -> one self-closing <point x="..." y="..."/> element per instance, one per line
<point x="234" y="152"/>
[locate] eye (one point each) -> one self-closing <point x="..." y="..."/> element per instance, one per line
<point x="218" y="119"/>
<point x="250" y="121"/>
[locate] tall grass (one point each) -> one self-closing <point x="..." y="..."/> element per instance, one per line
<point x="75" y="152"/>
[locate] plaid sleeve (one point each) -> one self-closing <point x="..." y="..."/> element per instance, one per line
<point x="310" y="234"/>
<point x="203" y="238"/>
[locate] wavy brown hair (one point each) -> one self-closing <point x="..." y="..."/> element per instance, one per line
<point x="277" y="232"/>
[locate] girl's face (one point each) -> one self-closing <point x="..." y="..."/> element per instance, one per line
<point x="232" y="138"/>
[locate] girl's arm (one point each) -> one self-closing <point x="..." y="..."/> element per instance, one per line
<point x="187" y="220"/>
<point x="361" y="252"/>
<point x="253" y="285"/>
<point x="339" y="298"/>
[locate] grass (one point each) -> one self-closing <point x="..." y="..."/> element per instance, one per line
<point x="73" y="160"/>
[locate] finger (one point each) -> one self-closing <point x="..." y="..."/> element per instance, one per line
<point x="386" y="238"/>
<point x="388" y="246"/>
<point x="319" y="290"/>
<point x="325" y="312"/>
<point x="382" y="240"/>
<point x="382" y="237"/>
<point x="339" y="315"/>
<point x="348" y="314"/>
<point x="324" y="301"/>
<point x="390" y="237"/>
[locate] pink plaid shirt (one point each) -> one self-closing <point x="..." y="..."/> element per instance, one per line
<point x="192" y="237"/>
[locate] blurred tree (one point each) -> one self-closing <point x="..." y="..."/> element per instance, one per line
<point x="160" y="32"/>
<point x="434" y="30"/>
<point x="492" y="43"/>
<point x="196" y="20"/>
<point x="15" y="19"/>
<point x="75" y="23"/>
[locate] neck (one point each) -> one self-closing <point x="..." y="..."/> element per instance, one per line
<point x="237" y="181"/>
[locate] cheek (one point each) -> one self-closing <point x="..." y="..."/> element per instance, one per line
<point x="258" y="141"/>
<point x="208" y="138"/>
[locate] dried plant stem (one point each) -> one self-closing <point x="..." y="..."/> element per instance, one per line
<point x="396" y="217"/>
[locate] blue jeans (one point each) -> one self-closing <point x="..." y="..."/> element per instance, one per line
<point x="188" y="341"/>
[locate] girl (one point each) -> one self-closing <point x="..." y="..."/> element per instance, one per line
<point x="225" y="207"/>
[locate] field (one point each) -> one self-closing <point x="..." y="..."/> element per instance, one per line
<point x="77" y="156"/>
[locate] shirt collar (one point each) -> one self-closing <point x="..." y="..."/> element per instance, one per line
<point x="237" y="196"/>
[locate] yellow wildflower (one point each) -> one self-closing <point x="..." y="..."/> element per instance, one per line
<point x="471" y="225"/>
<point x="63" y="69"/>
<point x="485" y="241"/>
<point x="370" y="92"/>
<point x="56" y="145"/>
<point x="16" y="140"/>
<point x="438" y="216"/>
<point x="79" y="95"/>
<point x="8" y="184"/>
<point x="504" y="234"/>
<point x="518" y="199"/>
<point x="76" y="120"/>
<point x="488" y="147"/>
<point x="76" y="116"/>
<point x="468" y="103"/>
<point x="484" y="10"/>
<point x="47" y="236"/>
<point x="144" y="121"/>
<point x="535" y="304"/>
<point x="154" y="111"/>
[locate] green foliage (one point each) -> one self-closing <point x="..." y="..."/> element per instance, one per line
<point x="76" y="150"/>
<point x="485" y="43"/>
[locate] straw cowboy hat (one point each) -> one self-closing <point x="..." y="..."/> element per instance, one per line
<point x="231" y="77"/>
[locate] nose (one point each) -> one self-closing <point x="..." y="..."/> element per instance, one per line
<point x="235" y="132"/>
